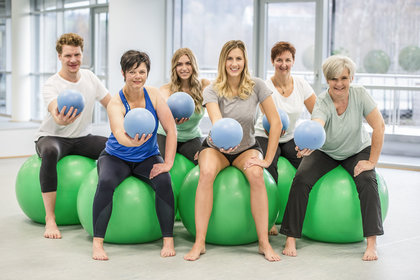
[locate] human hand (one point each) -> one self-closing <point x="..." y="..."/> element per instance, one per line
<point x="256" y="161"/>
<point x="228" y="151"/>
<point x="303" y="153"/>
<point x="136" y="142"/>
<point x="159" y="168"/>
<point x="363" y="165"/>
<point x="65" y="119"/>
<point x="181" y="121"/>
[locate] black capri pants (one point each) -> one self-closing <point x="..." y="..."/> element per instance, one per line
<point x="52" y="148"/>
<point x="311" y="169"/>
<point x="187" y="149"/>
<point x="112" y="171"/>
<point x="286" y="150"/>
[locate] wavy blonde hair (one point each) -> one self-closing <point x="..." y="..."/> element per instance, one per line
<point x="246" y="84"/>
<point x="196" y="90"/>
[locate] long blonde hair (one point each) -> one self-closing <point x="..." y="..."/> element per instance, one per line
<point x="196" y="90"/>
<point x="246" y="84"/>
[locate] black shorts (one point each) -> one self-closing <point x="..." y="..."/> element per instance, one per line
<point x="232" y="157"/>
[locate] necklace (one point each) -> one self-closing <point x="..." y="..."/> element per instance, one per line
<point x="282" y="90"/>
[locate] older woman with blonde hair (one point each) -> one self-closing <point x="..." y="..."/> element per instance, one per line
<point x="341" y="110"/>
<point x="236" y="95"/>
<point x="184" y="77"/>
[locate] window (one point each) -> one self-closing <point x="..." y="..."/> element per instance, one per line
<point x="5" y="58"/>
<point x="205" y="26"/>
<point x="52" y="18"/>
<point x="379" y="36"/>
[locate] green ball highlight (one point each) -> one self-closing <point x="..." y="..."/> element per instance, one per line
<point x="409" y="58"/>
<point x="231" y="221"/>
<point x="286" y="172"/>
<point x="71" y="171"/>
<point x="333" y="213"/>
<point x="376" y="61"/>
<point x="179" y="170"/>
<point x="133" y="219"/>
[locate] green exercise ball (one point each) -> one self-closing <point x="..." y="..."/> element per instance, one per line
<point x="286" y="172"/>
<point x="333" y="213"/>
<point x="71" y="171"/>
<point x="376" y="61"/>
<point x="133" y="218"/>
<point x="179" y="170"/>
<point x="231" y="221"/>
<point x="409" y="58"/>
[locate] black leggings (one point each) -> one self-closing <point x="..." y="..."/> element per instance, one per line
<point x="313" y="168"/>
<point x="112" y="171"/>
<point x="51" y="149"/>
<point x="187" y="149"/>
<point x="286" y="150"/>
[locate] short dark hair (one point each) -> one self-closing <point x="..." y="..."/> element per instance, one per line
<point x="69" y="39"/>
<point x="281" y="47"/>
<point x="133" y="58"/>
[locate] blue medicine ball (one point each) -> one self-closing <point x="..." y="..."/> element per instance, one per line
<point x="226" y="133"/>
<point x="181" y="105"/>
<point x="139" y="121"/>
<point x="70" y="98"/>
<point x="284" y="117"/>
<point x="309" y="135"/>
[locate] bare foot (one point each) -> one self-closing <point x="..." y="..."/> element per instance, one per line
<point x="268" y="252"/>
<point x="273" y="231"/>
<point x="195" y="252"/>
<point x="290" y="247"/>
<point x="51" y="229"/>
<point x="168" y="249"/>
<point x="370" y="253"/>
<point x="98" y="250"/>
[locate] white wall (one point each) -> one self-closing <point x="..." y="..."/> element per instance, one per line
<point x="138" y="25"/>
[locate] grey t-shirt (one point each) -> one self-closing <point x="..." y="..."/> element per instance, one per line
<point x="244" y="111"/>
<point x="346" y="134"/>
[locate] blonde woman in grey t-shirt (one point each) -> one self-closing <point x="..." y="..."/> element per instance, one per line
<point x="341" y="110"/>
<point x="236" y="95"/>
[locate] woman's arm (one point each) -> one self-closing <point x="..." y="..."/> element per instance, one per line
<point x="377" y="123"/>
<point x="164" y="91"/>
<point x="269" y="108"/>
<point x="167" y="121"/>
<point x="310" y="103"/>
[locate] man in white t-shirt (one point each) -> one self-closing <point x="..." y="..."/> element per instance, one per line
<point x="67" y="134"/>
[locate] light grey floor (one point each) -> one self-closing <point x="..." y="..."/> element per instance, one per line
<point x="25" y="254"/>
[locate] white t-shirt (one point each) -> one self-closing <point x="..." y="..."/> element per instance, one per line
<point x="293" y="105"/>
<point x="89" y="86"/>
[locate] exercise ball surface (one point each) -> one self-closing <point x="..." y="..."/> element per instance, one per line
<point x="226" y="133"/>
<point x="71" y="171"/>
<point x="286" y="172"/>
<point x="133" y="218"/>
<point x="179" y="170"/>
<point x="181" y="105"/>
<point x="376" y="61"/>
<point x="70" y="98"/>
<point x="139" y="121"/>
<point x="309" y="135"/>
<point x="409" y="58"/>
<point x="333" y="213"/>
<point x="231" y="221"/>
<point x="284" y="118"/>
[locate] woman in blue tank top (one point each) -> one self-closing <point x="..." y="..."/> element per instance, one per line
<point x="184" y="77"/>
<point x="125" y="156"/>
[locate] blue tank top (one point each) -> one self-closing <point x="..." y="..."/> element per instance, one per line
<point x="135" y="154"/>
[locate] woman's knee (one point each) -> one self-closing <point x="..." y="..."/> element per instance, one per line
<point x="49" y="153"/>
